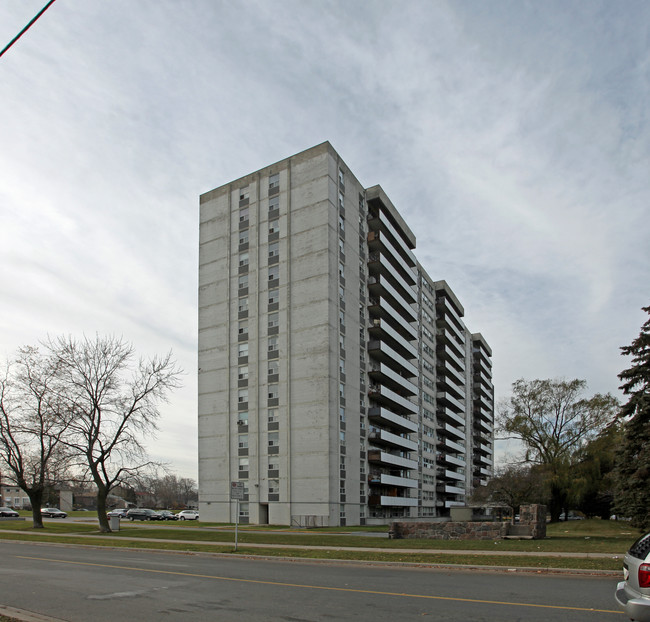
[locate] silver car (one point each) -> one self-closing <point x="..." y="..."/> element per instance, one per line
<point x="633" y="594"/>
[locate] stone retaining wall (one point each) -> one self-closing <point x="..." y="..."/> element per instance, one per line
<point x="450" y="530"/>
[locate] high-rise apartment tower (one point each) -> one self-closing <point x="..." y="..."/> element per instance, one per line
<point x="337" y="380"/>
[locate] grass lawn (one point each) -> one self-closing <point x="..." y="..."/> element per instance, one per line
<point x="589" y="536"/>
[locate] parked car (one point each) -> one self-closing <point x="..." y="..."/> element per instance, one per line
<point x="121" y="512"/>
<point x="8" y="513"/>
<point x="142" y="514"/>
<point x="188" y="515"/>
<point x="167" y="515"/>
<point x="633" y="594"/>
<point x="52" y="513"/>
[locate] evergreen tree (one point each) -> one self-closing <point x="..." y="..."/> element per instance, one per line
<point x="632" y="498"/>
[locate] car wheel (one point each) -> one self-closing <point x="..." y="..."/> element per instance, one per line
<point x="182" y="518"/>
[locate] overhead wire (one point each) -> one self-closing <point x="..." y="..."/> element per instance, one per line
<point x="26" y="28"/>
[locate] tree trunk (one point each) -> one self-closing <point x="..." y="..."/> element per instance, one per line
<point x="102" y="494"/>
<point x="36" y="499"/>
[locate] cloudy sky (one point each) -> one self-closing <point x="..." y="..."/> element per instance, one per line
<point x="514" y="137"/>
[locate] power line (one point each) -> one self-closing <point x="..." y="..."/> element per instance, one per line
<point x="26" y="28"/>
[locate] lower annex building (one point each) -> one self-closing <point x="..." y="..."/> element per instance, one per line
<point x="337" y="380"/>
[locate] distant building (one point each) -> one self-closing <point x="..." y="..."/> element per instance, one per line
<point x="337" y="379"/>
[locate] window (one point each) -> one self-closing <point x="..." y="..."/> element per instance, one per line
<point x="244" y="214"/>
<point x="273" y="465"/>
<point x="243" y="510"/>
<point x="342" y="246"/>
<point x="274" y="180"/>
<point x="272" y="417"/>
<point x="274" y="319"/>
<point x="242" y="373"/>
<point x="341" y="223"/>
<point x="242" y="441"/>
<point x="341" y="389"/>
<point x="243" y="327"/>
<point x="341" y="270"/>
<point x="243" y="281"/>
<point x="274" y="486"/>
<point x="242" y="305"/>
<point x="342" y="318"/>
<point x="273" y="343"/>
<point x="274" y="391"/>
<point x="274" y="367"/>
<point x="274" y="203"/>
<point x="242" y="417"/>
<point x="342" y="414"/>
<point x="274" y="295"/>
<point x="242" y="349"/>
<point x="342" y="366"/>
<point x="242" y="395"/>
<point x="243" y="193"/>
<point x="341" y="200"/>
<point x="341" y="177"/>
<point x="243" y="236"/>
<point x="342" y="437"/>
<point x="274" y="273"/>
<point x="274" y="226"/>
<point x="342" y="342"/>
<point x="274" y="249"/>
<point x="243" y="464"/>
<point x="274" y="439"/>
<point x="243" y="259"/>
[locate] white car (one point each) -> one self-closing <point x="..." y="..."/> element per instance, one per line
<point x="188" y="515"/>
<point x="633" y="594"/>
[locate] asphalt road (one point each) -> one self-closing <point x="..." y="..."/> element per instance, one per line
<point x="78" y="584"/>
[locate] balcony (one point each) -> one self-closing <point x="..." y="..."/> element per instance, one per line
<point x="392" y="501"/>
<point x="445" y="323"/>
<point x="392" y="420"/>
<point x="379" y="221"/>
<point x="380" y="286"/>
<point x="383" y="457"/>
<point x="449" y="339"/>
<point x="451" y="401"/>
<point x="450" y="430"/>
<point x="381" y="351"/>
<point x="451" y="371"/>
<point x="446" y="384"/>
<point x="446" y="354"/>
<point x="383" y="374"/>
<point x="383" y="437"/>
<point x="381" y="307"/>
<point x="384" y="395"/>
<point x="484" y="425"/>
<point x="449" y="459"/>
<point x="380" y="264"/>
<point x="446" y="308"/>
<point x="447" y="474"/>
<point x="452" y="445"/>
<point x="446" y="414"/>
<point x="381" y="243"/>
<point x="393" y="480"/>
<point x="448" y="489"/>
<point x="483" y="380"/>
<point x="382" y="330"/>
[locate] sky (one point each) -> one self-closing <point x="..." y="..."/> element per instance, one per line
<point x="514" y="138"/>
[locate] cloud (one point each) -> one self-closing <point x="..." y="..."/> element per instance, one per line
<point x="513" y="138"/>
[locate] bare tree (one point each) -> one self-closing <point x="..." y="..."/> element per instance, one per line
<point x="114" y="406"/>
<point x="33" y="424"/>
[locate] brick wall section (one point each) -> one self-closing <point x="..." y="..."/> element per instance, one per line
<point x="450" y="530"/>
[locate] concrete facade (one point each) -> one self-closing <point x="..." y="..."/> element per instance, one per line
<point x="312" y="389"/>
